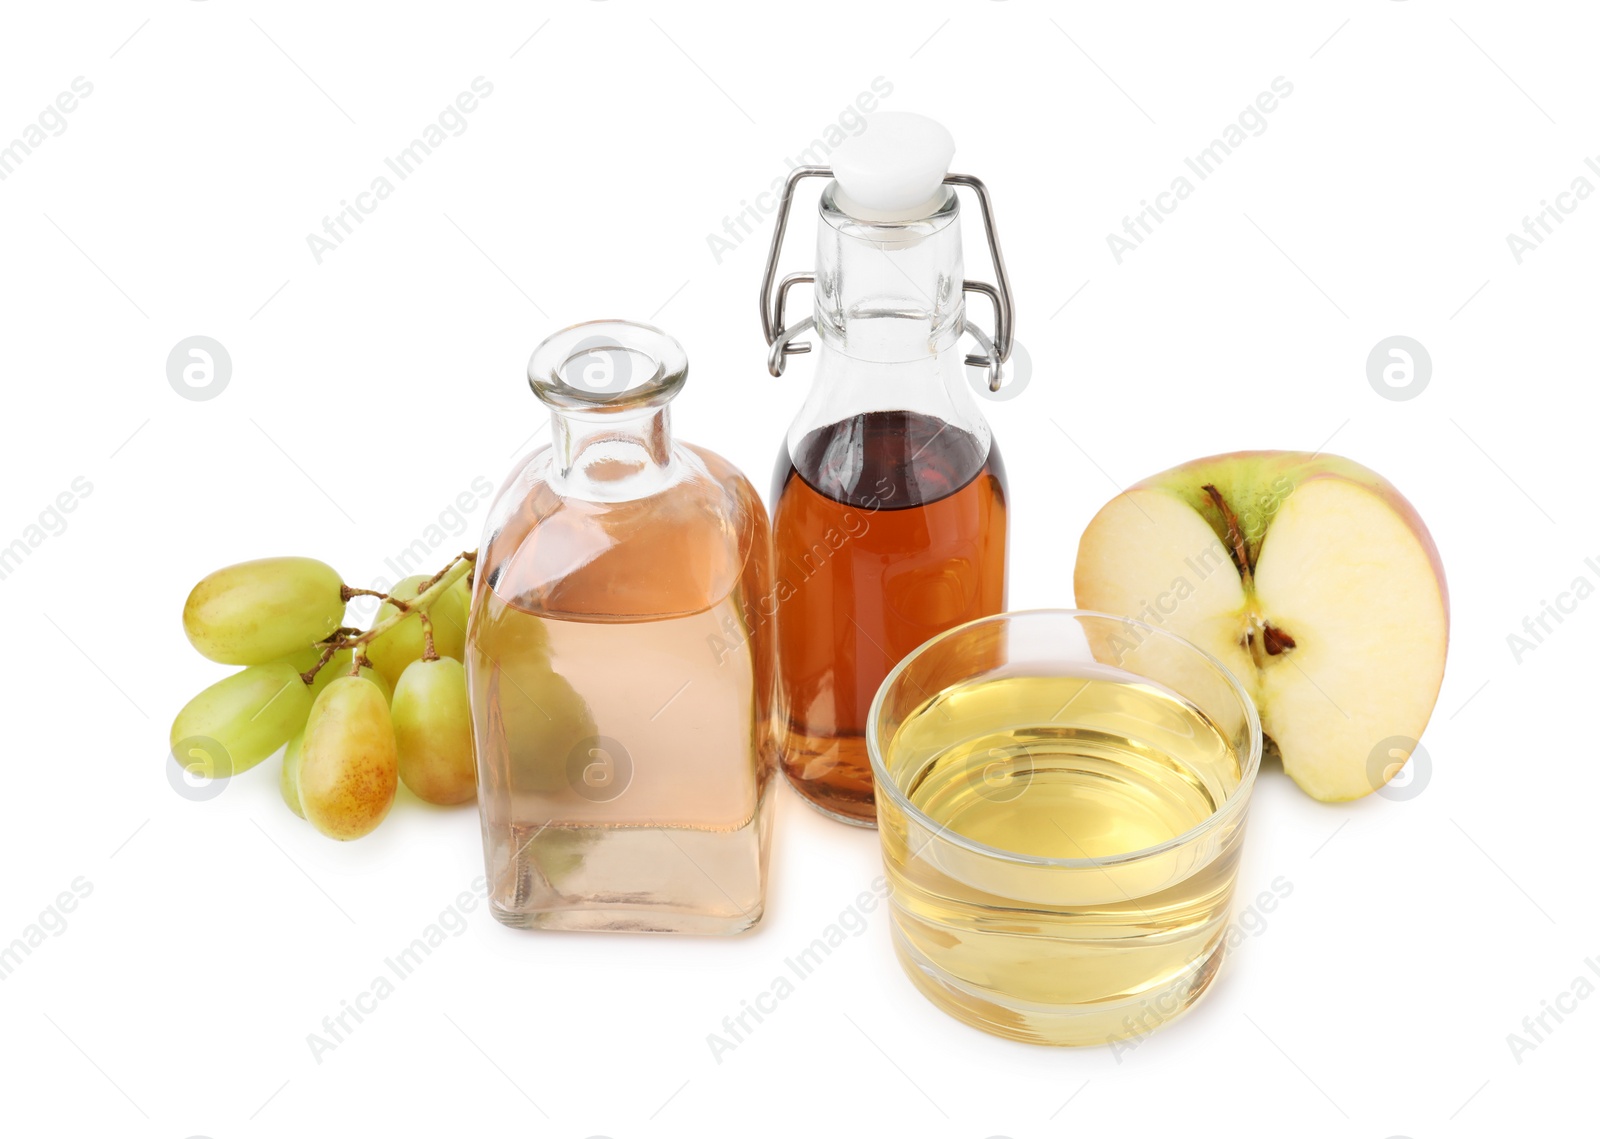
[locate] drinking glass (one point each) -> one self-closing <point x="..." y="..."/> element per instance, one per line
<point x="1062" y="802"/>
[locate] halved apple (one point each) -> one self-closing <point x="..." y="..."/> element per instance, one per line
<point x="1310" y="577"/>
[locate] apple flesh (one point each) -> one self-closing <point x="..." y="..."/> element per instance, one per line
<point x="1311" y="578"/>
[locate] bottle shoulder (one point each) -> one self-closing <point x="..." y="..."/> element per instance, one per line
<point x="745" y="500"/>
<point x="675" y="552"/>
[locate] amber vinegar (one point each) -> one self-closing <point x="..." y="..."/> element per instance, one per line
<point x="890" y="527"/>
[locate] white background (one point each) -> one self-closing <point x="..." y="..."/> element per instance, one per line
<point x="369" y="390"/>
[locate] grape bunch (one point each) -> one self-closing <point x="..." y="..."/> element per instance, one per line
<point x="355" y="712"/>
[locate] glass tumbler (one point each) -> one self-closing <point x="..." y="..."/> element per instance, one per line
<point x="1062" y="801"/>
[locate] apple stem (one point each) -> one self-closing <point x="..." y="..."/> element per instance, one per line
<point x="1241" y="555"/>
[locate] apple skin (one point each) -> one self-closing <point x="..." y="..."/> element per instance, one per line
<point x="1257" y="486"/>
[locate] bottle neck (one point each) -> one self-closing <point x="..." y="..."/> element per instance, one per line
<point x="889" y="293"/>
<point x="611" y="456"/>
<point x="889" y="316"/>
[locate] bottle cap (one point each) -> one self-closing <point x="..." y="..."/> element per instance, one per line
<point x="893" y="170"/>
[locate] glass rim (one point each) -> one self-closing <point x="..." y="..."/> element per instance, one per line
<point x="548" y="363"/>
<point x="1248" y="769"/>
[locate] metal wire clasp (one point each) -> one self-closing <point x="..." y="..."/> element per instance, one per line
<point x="775" y="294"/>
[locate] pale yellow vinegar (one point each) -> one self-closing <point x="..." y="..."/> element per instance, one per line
<point x="1085" y="768"/>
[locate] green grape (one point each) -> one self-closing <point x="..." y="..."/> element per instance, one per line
<point x="433" y="731"/>
<point x="255" y="612"/>
<point x="530" y="702"/>
<point x="348" y="768"/>
<point x="289" y="775"/>
<point x="463" y="591"/>
<point x="251" y="714"/>
<point x="339" y="665"/>
<point x="303" y="659"/>
<point x="402" y="644"/>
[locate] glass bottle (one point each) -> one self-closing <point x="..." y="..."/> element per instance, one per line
<point x="621" y="674"/>
<point x="889" y="496"/>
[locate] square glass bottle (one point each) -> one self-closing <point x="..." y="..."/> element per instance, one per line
<point x="621" y="669"/>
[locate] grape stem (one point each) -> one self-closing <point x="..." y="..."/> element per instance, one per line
<point x="310" y="674"/>
<point x="428" y="651"/>
<point x="347" y="638"/>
